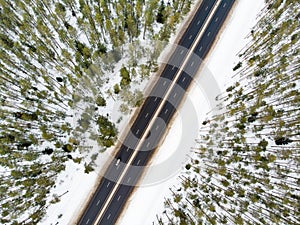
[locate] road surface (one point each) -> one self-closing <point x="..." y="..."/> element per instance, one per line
<point x="155" y="114"/>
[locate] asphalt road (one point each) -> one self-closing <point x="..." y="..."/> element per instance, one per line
<point x="149" y="108"/>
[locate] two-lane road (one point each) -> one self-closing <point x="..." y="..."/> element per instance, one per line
<point x="155" y="114"/>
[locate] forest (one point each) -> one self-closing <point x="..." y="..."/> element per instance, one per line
<point x="62" y="63"/>
<point x="246" y="166"/>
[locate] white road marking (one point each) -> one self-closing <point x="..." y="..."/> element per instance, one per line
<point x="87" y="221"/>
<point x="108" y="216"/>
<point x="118" y="166"/>
<point x="190" y="37"/>
<point x="148" y="144"/>
<point x="147" y="115"/>
<point x="138" y="130"/>
<point x="173" y="67"/>
<point x="119" y="198"/>
<point x="208" y="34"/>
<point x="200" y="48"/>
<point x="198" y="22"/>
<point x="217" y="19"/>
<point x="206" y="8"/>
<point x="155" y="99"/>
<point x="192" y="63"/>
<point x="166" y="111"/>
<point x="138" y="162"/>
<point x="174" y="96"/>
<point x="224" y="5"/>
<point x="127" y="149"/>
<point x="156" y="128"/>
<point x="98" y="202"/>
<point x="108" y="184"/>
<point x="164" y="83"/>
<point x="128" y="179"/>
<point x="181" y="52"/>
<point x="183" y="79"/>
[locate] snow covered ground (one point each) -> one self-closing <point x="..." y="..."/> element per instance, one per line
<point x="147" y="201"/>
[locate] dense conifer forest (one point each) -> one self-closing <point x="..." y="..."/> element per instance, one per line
<point x="57" y="60"/>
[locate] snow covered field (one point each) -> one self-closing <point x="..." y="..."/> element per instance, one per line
<point x="147" y="201"/>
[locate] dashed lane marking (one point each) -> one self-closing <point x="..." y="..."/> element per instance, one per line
<point x="119" y="198"/>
